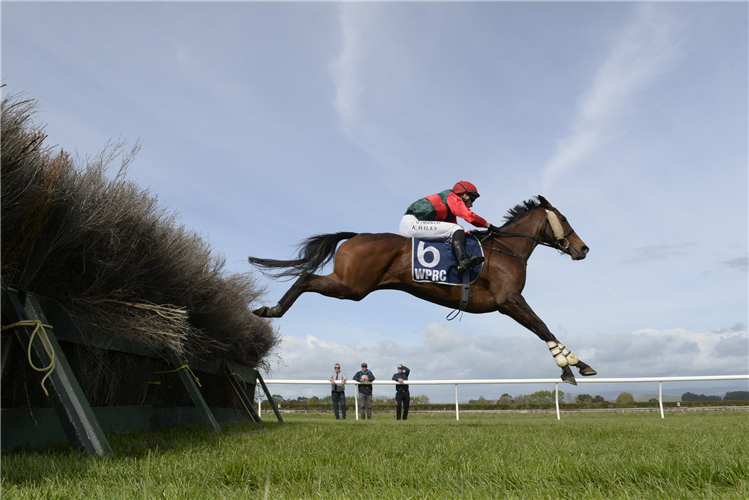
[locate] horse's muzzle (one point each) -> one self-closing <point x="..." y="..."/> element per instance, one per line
<point x="578" y="254"/>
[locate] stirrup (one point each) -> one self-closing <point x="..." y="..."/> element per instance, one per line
<point x="469" y="263"/>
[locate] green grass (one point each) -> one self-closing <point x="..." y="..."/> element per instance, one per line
<point x="690" y="455"/>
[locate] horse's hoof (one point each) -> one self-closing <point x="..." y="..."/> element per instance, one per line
<point x="588" y="371"/>
<point x="261" y="311"/>
<point x="569" y="380"/>
<point x="567" y="376"/>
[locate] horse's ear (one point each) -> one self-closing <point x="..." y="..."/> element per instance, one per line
<point x="544" y="202"/>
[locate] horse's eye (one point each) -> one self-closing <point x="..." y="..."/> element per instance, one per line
<point x="563" y="219"/>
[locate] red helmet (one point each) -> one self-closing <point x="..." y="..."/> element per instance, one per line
<point x="465" y="187"/>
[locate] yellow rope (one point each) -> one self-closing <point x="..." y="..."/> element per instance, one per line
<point x="197" y="380"/>
<point x="45" y="342"/>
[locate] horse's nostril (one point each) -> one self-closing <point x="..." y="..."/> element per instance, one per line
<point x="585" y="250"/>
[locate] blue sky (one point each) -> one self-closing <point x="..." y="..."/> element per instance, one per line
<point x="264" y="123"/>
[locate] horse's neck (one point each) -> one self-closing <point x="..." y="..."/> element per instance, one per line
<point x="531" y="225"/>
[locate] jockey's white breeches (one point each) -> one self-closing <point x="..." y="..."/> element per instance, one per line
<point x="427" y="229"/>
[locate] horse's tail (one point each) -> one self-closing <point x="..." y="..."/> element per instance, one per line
<point x="313" y="254"/>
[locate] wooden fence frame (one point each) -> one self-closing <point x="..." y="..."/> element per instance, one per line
<point x="26" y="314"/>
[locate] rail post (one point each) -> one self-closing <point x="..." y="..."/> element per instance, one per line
<point x="356" y="400"/>
<point x="259" y="396"/>
<point x="660" y="397"/>
<point x="457" y="408"/>
<point x="556" y="400"/>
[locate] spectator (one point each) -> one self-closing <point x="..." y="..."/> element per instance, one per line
<point x="402" y="396"/>
<point x="365" y="390"/>
<point x="338" y="391"/>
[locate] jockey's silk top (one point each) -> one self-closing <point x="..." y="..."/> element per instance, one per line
<point x="444" y="206"/>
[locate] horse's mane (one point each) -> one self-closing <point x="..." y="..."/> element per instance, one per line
<point x="521" y="210"/>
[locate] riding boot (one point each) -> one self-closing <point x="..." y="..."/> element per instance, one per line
<point x="459" y="249"/>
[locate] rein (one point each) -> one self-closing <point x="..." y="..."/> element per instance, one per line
<point x="559" y="242"/>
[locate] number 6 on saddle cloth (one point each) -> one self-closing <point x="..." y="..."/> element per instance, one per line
<point x="434" y="261"/>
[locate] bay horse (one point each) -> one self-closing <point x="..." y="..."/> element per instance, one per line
<point x="367" y="262"/>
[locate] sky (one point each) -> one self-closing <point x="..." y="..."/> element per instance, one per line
<point x="263" y="123"/>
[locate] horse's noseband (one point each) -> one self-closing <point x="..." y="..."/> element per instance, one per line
<point x="562" y="243"/>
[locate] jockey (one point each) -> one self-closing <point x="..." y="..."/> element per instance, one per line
<point x="434" y="218"/>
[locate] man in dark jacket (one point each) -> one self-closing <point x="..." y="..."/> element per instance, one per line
<point x="402" y="396"/>
<point x="365" y="390"/>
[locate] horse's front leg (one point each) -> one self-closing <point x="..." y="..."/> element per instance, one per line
<point x="518" y="309"/>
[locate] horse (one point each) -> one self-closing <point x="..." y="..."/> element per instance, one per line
<point x="366" y="262"/>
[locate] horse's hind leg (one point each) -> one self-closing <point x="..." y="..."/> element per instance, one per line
<point x="288" y="299"/>
<point x="329" y="286"/>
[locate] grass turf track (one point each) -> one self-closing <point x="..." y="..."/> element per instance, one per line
<point x="688" y="455"/>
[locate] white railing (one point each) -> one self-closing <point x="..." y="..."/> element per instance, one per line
<point x="554" y="381"/>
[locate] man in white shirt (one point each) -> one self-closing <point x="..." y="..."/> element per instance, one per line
<point x="338" y="390"/>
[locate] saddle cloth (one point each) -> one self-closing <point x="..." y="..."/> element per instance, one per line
<point x="434" y="261"/>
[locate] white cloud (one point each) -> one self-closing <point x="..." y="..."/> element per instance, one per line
<point x="673" y="352"/>
<point x="637" y="58"/>
<point x="730" y="346"/>
<point x="441" y="339"/>
<point x="658" y="252"/>
<point x="345" y="68"/>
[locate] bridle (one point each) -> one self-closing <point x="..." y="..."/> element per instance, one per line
<point x="559" y="242"/>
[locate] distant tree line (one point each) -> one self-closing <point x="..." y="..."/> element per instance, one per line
<point x="587" y="398"/>
<point x="377" y="400"/>
<point x="730" y="396"/>
<point x="547" y="397"/>
<point x="537" y="398"/>
<point x="737" y="396"/>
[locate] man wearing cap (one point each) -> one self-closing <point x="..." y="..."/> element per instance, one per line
<point x="435" y="218"/>
<point x="402" y="396"/>
<point x="365" y="390"/>
<point x="338" y="390"/>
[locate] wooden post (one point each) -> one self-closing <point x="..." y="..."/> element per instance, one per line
<point x="239" y="392"/>
<point x="7" y="347"/>
<point x="270" y="398"/>
<point x="72" y="408"/>
<point x="194" y="391"/>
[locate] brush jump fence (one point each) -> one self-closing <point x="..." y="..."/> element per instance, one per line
<point x="556" y="383"/>
<point x="32" y="326"/>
